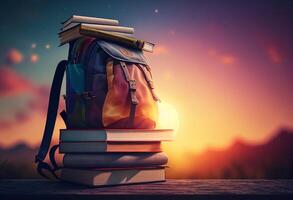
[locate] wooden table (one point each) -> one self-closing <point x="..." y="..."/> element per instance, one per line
<point x="171" y="189"/>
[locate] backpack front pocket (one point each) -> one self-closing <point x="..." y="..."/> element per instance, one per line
<point x="129" y="102"/>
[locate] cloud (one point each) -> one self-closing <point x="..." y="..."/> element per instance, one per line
<point x="13" y="56"/>
<point x="274" y="55"/>
<point x="12" y="83"/>
<point x="20" y="117"/>
<point x="41" y="98"/>
<point x="5" y="124"/>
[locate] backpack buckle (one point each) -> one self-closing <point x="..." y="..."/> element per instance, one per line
<point x="133" y="97"/>
<point x="132" y="85"/>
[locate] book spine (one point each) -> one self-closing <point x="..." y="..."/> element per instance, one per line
<point x="95" y="20"/>
<point x="129" y="41"/>
<point x="120" y="29"/>
<point x="114" y="160"/>
<point x="91" y="20"/>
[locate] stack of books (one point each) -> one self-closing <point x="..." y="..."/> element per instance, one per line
<point x="114" y="156"/>
<point x="105" y="29"/>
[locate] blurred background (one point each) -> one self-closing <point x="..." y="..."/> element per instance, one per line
<point x="224" y="68"/>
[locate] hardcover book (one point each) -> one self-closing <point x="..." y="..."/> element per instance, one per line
<point x="104" y="177"/>
<point x="114" y="160"/>
<point x="90" y="20"/>
<point x="120" y="29"/>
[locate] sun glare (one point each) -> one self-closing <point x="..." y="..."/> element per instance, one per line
<point x="168" y="117"/>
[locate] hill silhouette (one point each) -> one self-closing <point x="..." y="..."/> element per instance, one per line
<point x="272" y="159"/>
<point x="17" y="162"/>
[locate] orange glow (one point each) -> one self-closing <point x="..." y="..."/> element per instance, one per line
<point x="34" y="58"/>
<point x="14" y="56"/>
<point x="30" y="132"/>
<point x="168" y="117"/>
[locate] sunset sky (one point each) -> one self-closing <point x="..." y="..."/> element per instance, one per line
<point x="226" y="67"/>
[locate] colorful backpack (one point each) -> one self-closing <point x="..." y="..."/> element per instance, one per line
<point x="107" y="86"/>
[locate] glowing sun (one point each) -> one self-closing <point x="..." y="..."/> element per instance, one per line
<point x="168" y="117"/>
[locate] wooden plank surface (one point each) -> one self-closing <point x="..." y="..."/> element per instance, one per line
<point x="170" y="187"/>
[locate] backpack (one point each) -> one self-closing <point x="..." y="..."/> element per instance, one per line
<point x="107" y="86"/>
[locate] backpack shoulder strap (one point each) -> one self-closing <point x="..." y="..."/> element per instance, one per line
<point x="146" y="70"/>
<point x="132" y="92"/>
<point x="51" y="118"/>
